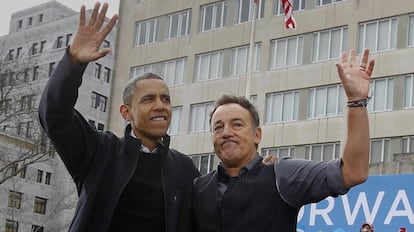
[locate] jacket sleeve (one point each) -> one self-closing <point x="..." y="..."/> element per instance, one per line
<point x="72" y="136"/>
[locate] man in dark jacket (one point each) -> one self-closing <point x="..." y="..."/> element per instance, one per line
<point x="134" y="183"/>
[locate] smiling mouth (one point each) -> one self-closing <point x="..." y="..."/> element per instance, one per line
<point x="159" y="118"/>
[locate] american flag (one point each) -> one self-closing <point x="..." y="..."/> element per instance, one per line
<point x="287" y="8"/>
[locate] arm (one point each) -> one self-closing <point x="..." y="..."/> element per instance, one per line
<point x="356" y="80"/>
<point x="70" y="133"/>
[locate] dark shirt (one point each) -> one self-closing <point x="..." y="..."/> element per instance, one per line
<point x="141" y="206"/>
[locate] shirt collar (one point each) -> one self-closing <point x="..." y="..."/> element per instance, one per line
<point x="222" y="171"/>
<point x="143" y="148"/>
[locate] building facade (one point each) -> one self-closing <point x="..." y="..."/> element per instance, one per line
<point x="202" y="47"/>
<point x="36" y="192"/>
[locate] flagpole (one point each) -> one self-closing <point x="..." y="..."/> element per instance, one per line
<point x="251" y="49"/>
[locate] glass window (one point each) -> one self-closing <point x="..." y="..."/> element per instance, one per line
<point x="107" y="74"/>
<point x="179" y="24"/>
<point x="213" y="16"/>
<point x="286" y="52"/>
<point x="380" y="35"/>
<point x="12" y="226"/>
<point x="411" y="31"/>
<point x="174" y="71"/>
<point x="40" y="205"/>
<point x="409" y="91"/>
<point x="146" y="31"/>
<point x="98" y="101"/>
<point x="325" y="101"/>
<point x="281" y="107"/>
<point x="278" y="151"/>
<point x="321" y="152"/>
<point x="15" y="200"/>
<point x="326" y="2"/>
<point x="36" y="228"/>
<point x="380" y="150"/>
<point x="200" y="117"/>
<point x="408" y="144"/>
<point x="39" y="176"/>
<point x="175" y="120"/>
<point x="297" y="5"/>
<point x="329" y="44"/>
<point x="204" y="162"/>
<point x="245" y="10"/>
<point x="382" y="97"/>
<point x="97" y="71"/>
<point x="48" y="178"/>
<point x="209" y="66"/>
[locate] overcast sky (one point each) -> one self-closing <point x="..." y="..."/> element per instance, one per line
<point x="9" y="7"/>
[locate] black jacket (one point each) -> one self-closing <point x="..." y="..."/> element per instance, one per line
<point x="101" y="164"/>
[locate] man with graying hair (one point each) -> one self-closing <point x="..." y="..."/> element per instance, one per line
<point x="244" y="195"/>
<point x="133" y="183"/>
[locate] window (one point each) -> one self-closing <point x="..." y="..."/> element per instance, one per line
<point x="40" y="18"/>
<point x="139" y="70"/>
<point x="15" y="199"/>
<point x="286" y="52"/>
<point x="209" y="66"/>
<point x="320" y="152"/>
<point x="5" y="106"/>
<point x="409" y="91"/>
<point x="380" y="150"/>
<point x="101" y="127"/>
<point x="27" y="102"/>
<point x="174" y="71"/>
<point x="245" y="10"/>
<point x="59" y="42"/>
<point x="107" y="74"/>
<point x="19" y="52"/>
<point x="12" y="169"/>
<point x="12" y="226"/>
<point x="23" y="171"/>
<point x="35" y="73"/>
<point x="105" y="44"/>
<point x="19" y="24"/>
<point x="281" y="107"/>
<point x="179" y="24"/>
<point x="146" y="31"/>
<point x="200" y="117"/>
<point x="20" y="128"/>
<point x="411" y="31"/>
<point x="326" y="2"/>
<point x="98" y="100"/>
<point x="36" y="228"/>
<point x="68" y="37"/>
<point x="30" y="21"/>
<point x="39" y="176"/>
<point x="48" y="177"/>
<point x="382" y="97"/>
<point x="40" y="205"/>
<point x="278" y="151"/>
<point x="378" y="35"/>
<point x="240" y="56"/>
<point x="42" y="46"/>
<point x="52" y="67"/>
<point x="408" y="144"/>
<point x="329" y="44"/>
<point x="297" y="5"/>
<point x="97" y="71"/>
<point x="10" y="55"/>
<point x="213" y="16"/>
<point x="204" y="162"/>
<point x="175" y="120"/>
<point x="29" y="129"/>
<point x="325" y="101"/>
<point x="34" y="50"/>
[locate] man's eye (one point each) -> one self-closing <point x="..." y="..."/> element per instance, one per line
<point x="217" y="128"/>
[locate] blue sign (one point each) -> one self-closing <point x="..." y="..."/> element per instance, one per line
<point x="385" y="201"/>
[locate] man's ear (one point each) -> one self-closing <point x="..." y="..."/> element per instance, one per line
<point x="124" y="110"/>
<point x="257" y="135"/>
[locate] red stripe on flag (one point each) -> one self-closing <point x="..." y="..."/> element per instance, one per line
<point x="289" y="20"/>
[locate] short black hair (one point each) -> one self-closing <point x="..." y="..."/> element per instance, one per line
<point x="130" y="87"/>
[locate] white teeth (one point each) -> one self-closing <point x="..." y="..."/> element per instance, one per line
<point x="158" y="118"/>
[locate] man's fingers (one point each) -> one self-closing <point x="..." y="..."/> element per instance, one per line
<point x="95" y="11"/>
<point x="352" y="62"/>
<point x="370" y="68"/>
<point x="340" y="70"/>
<point x="364" y="60"/>
<point x="107" y="29"/>
<point x="101" y="16"/>
<point x="82" y="17"/>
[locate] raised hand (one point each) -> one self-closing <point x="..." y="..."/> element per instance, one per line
<point x="355" y="79"/>
<point x="89" y="37"/>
